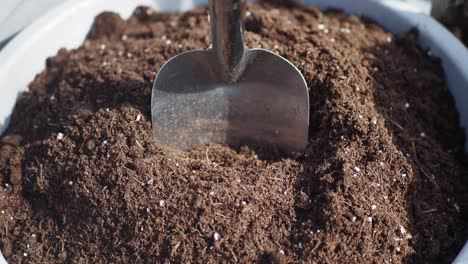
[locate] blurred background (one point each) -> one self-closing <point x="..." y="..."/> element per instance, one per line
<point x="17" y="14"/>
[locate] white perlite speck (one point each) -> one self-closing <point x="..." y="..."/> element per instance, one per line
<point x="216" y="236"/>
<point x="357" y="169"/>
<point x="70" y="183"/>
<point x="138" y="118"/>
<point x="402" y="230"/>
<point x="369" y="219"/>
<point x="281" y="252"/>
<point x="321" y="26"/>
<point x="373" y="207"/>
<point x="103" y="46"/>
<point x="138" y="144"/>
<point x="124" y="37"/>
<point x="353" y="219"/>
<point x="25" y="254"/>
<point x="422" y="134"/>
<point x="148" y="210"/>
<point x="60" y="136"/>
<point x="162" y="203"/>
<point x="404" y="175"/>
<point x="345" y="30"/>
<point x="407" y="105"/>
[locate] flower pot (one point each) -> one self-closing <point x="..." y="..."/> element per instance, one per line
<point x="67" y="25"/>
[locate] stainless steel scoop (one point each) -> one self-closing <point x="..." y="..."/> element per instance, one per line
<point x="229" y="94"/>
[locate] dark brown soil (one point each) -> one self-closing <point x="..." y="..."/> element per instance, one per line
<point x="382" y="181"/>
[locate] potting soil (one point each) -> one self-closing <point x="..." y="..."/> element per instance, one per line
<point x="383" y="179"/>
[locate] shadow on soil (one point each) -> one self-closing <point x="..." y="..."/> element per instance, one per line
<point x="426" y="133"/>
<point x="436" y="200"/>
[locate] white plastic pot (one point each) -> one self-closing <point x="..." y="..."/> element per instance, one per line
<point x="67" y="25"/>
